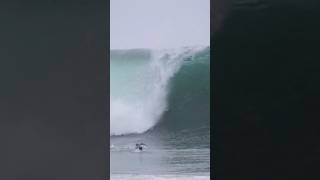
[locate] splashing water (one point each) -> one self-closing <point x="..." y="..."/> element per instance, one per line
<point x="139" y="89"/>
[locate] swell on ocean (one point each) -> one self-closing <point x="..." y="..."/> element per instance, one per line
<point x="152" y="90"/>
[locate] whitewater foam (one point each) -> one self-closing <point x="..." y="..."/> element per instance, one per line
<point x="159" y="177"/>
<point x="137" y="103"/>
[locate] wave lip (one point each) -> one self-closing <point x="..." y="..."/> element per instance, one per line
<point x="140" y="85"/>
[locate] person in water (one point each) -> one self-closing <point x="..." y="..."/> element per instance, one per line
<point x="140" y="146"/>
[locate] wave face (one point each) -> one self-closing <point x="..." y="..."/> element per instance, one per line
<point x="157" y="88"/>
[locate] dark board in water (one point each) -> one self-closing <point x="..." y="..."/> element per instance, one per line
<point x="266" y="79"/>
<point x="53" y="119"/>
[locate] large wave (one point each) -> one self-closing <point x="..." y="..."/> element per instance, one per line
<point x="148" y="86"/>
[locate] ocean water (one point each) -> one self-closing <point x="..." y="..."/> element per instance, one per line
<point x="160" y="98"/>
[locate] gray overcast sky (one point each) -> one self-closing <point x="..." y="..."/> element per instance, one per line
<point x="159" y="23"/>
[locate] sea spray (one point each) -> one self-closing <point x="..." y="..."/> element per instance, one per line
<point x="140" y="85"/>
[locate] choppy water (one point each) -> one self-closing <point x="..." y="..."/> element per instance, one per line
<point x="165" y="157"/>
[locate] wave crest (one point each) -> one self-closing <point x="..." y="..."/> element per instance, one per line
<point x="140" y="87"/>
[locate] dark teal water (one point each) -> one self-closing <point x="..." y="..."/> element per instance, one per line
<point x="178" y="141"/>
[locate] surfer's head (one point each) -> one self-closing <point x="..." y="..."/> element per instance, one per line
<point x="139" y="146"/>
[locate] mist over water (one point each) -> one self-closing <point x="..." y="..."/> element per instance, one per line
<point x="140" y="86"/>
<point x="160" y="98"/>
